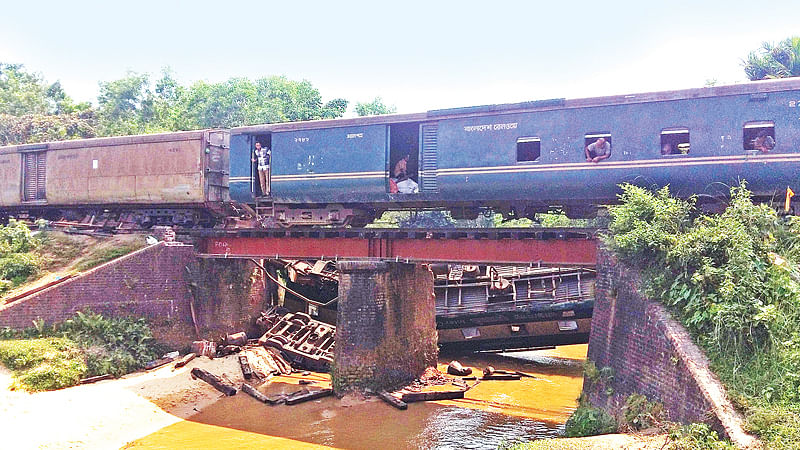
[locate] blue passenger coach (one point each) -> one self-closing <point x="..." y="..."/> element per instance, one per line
<point x="528" y="157"/>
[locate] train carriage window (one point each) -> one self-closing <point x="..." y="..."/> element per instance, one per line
<point x="674" y="141"/>
<point x="528" y="149"/>
<point x="759" y="136"/>
<point x="597" y="146"/>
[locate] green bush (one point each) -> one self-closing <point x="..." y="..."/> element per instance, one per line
<point x="696" y="436"/>
<point x="88" y="344"/>
<point x="588" y="421"/>
<point x="641" y="414"/>
<point x="5" y="285"/>
<point x="18" y="266"/>
<point x="778" y="424"/>
<point x="44" y="363"/>
<point x="116" y="345"/>
<point x="15" y="238"/>
<point x="733" y="280"/>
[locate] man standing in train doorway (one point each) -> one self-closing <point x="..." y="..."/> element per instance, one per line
<point x="261" y="156"/>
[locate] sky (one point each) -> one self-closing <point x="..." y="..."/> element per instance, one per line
<point x="415" y="55"/>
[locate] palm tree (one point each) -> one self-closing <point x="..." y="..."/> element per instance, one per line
<point x="774" y="61"/>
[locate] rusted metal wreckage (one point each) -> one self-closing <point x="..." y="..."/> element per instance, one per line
<point x="303" y="341"/>
<point x="478" y="307"/>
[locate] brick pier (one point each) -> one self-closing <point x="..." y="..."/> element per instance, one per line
<point x="386" y="325"/>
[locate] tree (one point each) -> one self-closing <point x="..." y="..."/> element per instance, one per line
<point x="222" y="105"/>
<point x="43" y="128"/>
<point x="239" y="101"/>
<point x="126" y="106"/>
<point x="132" y="105"/>
<point x="31" y="110"/>
<point x="334" y="108"/>
<point x="774" y="61"/>
<point x="23" y="92"/>
<point x="374" y="108"/>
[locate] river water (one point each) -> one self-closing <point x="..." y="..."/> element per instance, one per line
<point x="492" y="413"/>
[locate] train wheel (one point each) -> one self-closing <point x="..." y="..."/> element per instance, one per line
<point x="305" y="318"/>
<point x="274" y="342"/>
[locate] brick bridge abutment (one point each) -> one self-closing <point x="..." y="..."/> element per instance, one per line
<point x="651" y="354"/>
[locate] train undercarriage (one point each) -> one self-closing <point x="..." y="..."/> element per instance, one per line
<point x="117" y="218"/>
<point x="266" y="214"/>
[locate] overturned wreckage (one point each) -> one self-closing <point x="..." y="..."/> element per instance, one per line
<point x="303" y="341"/>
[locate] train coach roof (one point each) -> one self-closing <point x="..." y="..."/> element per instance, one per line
<point x="107" y="141"/>
<point x="756" y="87"/>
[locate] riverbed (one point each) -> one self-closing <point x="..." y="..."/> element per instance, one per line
<point x="492" y="413"/>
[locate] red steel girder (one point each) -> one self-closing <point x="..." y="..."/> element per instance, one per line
<point x="580" y="251"/>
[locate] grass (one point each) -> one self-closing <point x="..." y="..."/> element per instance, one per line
<point x="57" y="250"/>
<point x="43" y="364"/>
<point x="88" y="344"/>
<point x="104" y="255"/>
<point x="57" y="254"/>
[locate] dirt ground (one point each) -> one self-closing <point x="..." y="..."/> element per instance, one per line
<point x="108" y="414"/>
<point x="604" y="442"/>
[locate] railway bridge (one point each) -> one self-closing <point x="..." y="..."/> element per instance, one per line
<point x="386" y="315"/>
<point x="543" y="246"/>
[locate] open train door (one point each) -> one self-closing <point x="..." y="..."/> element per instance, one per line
<point x="217" y="165"/>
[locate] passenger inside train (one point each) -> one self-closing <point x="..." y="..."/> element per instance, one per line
<point x="400" y="179"/>
<point x="763" y="142"/>
<point x="674" y="141"/>
<point x="403" y="158"/>
<point x="597" y="147"/>
<point x="759" y="136"/>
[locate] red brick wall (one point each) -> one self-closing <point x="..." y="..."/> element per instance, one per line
<point x="154" y="283"/>
<point x="149" y="283"/>
<point x="650" y="354"/>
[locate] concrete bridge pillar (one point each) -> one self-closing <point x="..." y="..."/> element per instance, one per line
<point x="385" y="327"/>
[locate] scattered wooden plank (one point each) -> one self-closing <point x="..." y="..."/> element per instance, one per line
<point x="525" y="375"/>
<point x="89" y="380"/>
<point x="392" y="400"/>
<point x="501" y="376"/>
<point x="247" y="371"/>
<point x="477" y="382"/>
<point x="158" y="363"/>
<point x="312" y="395"/>
<point x="411" y="397"/>
<point x="185" y="360"/>
<point x="214" y="381"/>
<point x="251" y="391"/>
<point x="276" y="399"/>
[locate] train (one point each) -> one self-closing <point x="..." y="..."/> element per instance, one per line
<point x="519" y="159"/>
<point x="119" y="183"/>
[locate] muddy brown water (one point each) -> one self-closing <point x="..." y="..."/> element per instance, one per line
<point x="492" y="413"/>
